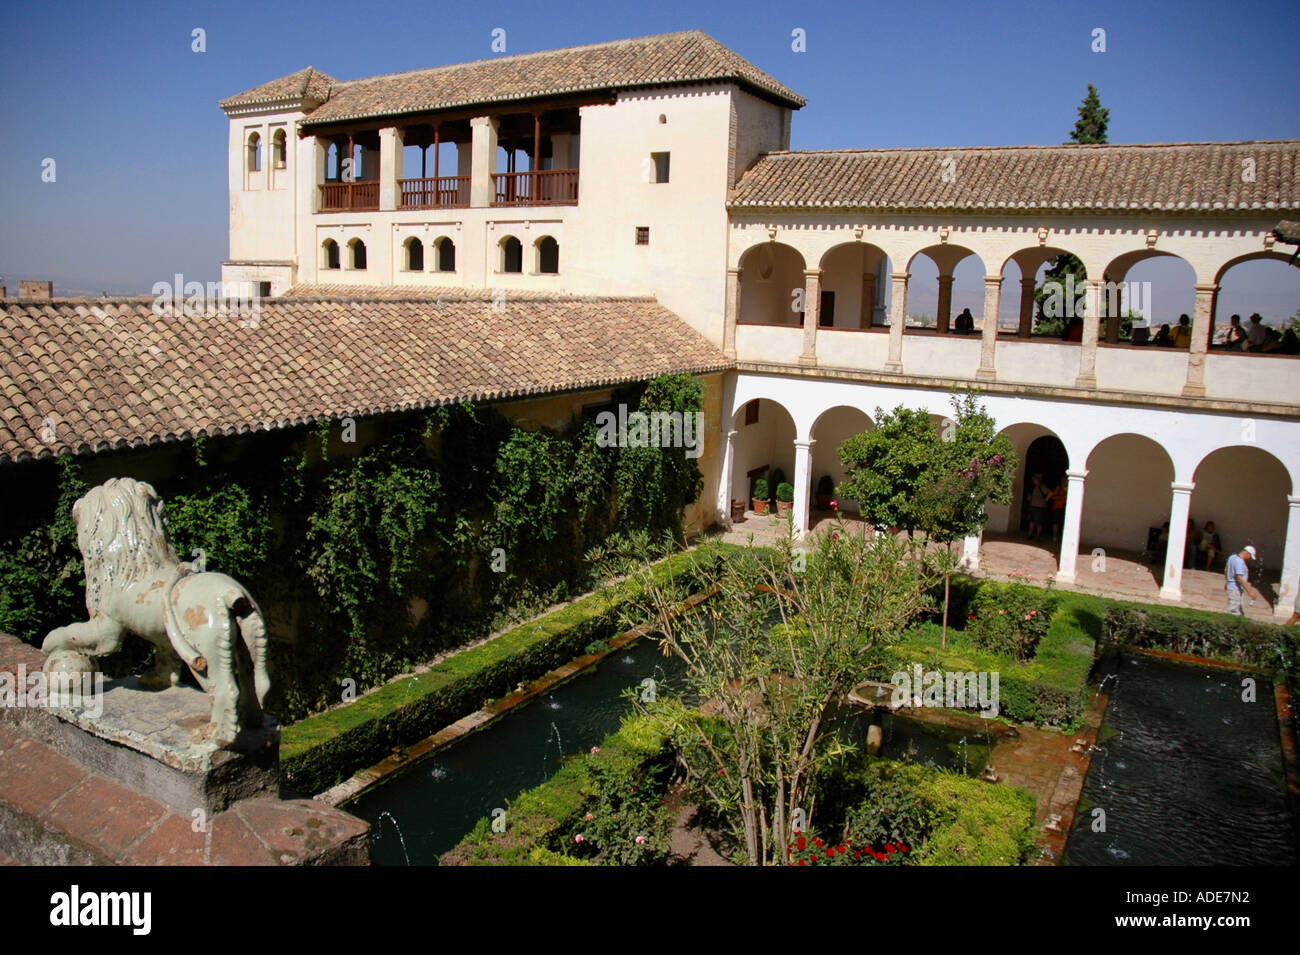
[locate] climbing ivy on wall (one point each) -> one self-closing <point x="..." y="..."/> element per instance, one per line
<point x="367" y="560"/>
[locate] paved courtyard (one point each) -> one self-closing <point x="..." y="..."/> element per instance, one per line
<point x="1122" y="574"/>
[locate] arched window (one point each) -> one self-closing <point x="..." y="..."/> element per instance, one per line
<point x="548" y="255"/>
<point x="280" y="149"/>
<point x="512" y="255"/>
<point x="331" y="254"/>
<point x="254" y="153"/>
<point x="446" y="257"/>
<point x="358" y="253"/>
<point x="414" y="255"/>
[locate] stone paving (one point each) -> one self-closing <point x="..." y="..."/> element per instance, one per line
<point x="1122" y="575"/>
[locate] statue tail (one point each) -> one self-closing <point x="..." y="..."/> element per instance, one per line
<point x="252" y="628"/>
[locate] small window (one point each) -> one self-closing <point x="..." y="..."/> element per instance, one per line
<point x="280" y="148"/>
<point x="512" y="255"/>
<point x="751" y="412"/>
<point x="548" y="255"/>
<point x="446" y="255"/>
<point x="331" y="254"/>
<point x="661" y="166"/>
<point x="263" y="289"/>
<point x="358" y="253"/>
<point x="414" y="255"/>
<point x="643" y="235"/>
<point x="254" y="153"/>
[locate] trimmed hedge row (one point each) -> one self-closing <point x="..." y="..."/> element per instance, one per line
<point x="980" y="824"/>
<point x="1050" y="688"/>
<point x="540" y="818"/>
<point x="1202" y="633"/>
<point x="322" y="750"/>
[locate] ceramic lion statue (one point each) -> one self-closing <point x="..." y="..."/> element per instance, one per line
<point x="135" y="583"/>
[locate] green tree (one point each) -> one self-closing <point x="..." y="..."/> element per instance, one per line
<point x="906" y="473"/>
<point x="1090" y="127"/>
<point x="1093" y="119"/>
<point x="783" y="638"/>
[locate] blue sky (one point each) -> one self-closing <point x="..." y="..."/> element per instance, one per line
<point x="115" y="95"/>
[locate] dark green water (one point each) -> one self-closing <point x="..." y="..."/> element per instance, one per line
<point x="1186" y="771"/>
<point x="435" y="802"/>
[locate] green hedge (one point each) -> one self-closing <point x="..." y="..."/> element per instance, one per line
<point x="979" y="824"/>
<point x="1050" y="688"/>
<point x="1202" y="633"/>
<point x="539" y="819"/>
<point x="322" y="750"/>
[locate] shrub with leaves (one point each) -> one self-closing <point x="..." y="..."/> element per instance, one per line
<point x="1010" y="620"/>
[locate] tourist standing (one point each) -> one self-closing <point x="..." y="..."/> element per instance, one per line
<point x="1257" y="333"/>
<point x="965" y="322"/>
<point x="1056" y="501"/>
<point x="1037" y="508"/>
<point x="1236" y="337"/>
<point x="1238" y="577"/>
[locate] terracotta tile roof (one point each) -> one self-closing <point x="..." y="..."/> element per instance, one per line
<point x="664" y="60"/>
<point x="307" y="83"/>
<point x="112" y="374"/>
<point x="1109" y="178"/>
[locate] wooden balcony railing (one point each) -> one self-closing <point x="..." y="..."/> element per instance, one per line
<point x="445" y="192"/>
<point x="349" y="196"/>
<point x="546" y="187"/>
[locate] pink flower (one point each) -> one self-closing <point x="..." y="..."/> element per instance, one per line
<point x="1028" y="615"/>
<point x="590" y="817"/>
<point x="595" y="750"/>
<point x="1000" y="612"/>
<point x="640" y="840"/>
<point x="578" y="837"/>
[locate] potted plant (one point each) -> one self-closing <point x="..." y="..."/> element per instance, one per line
<point x="774" y="482"/>
<point x="825" y="492"/>
<point x="784" y="499"/>
<point x="737" y="512"/>
<point x="760" y="496"/>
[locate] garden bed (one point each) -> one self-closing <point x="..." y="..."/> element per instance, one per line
<point x="322" y="750"/>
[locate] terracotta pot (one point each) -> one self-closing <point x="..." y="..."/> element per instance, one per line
<point x="760" y="507"/>
<point x="737" y="512"/>
<point x="784" y="507"/>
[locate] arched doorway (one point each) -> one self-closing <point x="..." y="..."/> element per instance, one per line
<point x="1043" y="455"/>
<point x="763" y="446"/>
<point x="1128" y="496"/>
<point x="1243" y="490"/>
<point x="832" y="428"/>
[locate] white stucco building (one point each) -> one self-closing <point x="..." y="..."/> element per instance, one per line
<point x="661" y="166"/>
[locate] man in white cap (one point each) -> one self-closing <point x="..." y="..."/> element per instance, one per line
<point x="1238" y="574"/>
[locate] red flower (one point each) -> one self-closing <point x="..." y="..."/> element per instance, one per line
<point x="803" y="843"/>
<point x="902" y="846"/>
<point x="843" y="850"/>
<point x="817" y="842"/>
<point x="801" y="862"/>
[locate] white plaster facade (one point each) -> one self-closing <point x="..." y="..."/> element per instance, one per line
<point x="1151" y="435"/>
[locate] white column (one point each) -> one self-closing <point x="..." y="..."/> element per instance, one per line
<point x="1289" y="585"/>
<point x="1179" y="510"/>
<point x="1202" y="322"/>
<point x="897" y="319"/>
<point x="390" y="166"/>
<point x="732" y="313"/>
<point x="1070" y="528"/>
<point x="989" y="334"/>
<point x="970" y="552"/>
<point x="724" y="481"/>
<point x="483" y="161"/>
<point x="812" y="315"/>
<point x="802" y="485"/>
<point x="1087" y="377"/>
